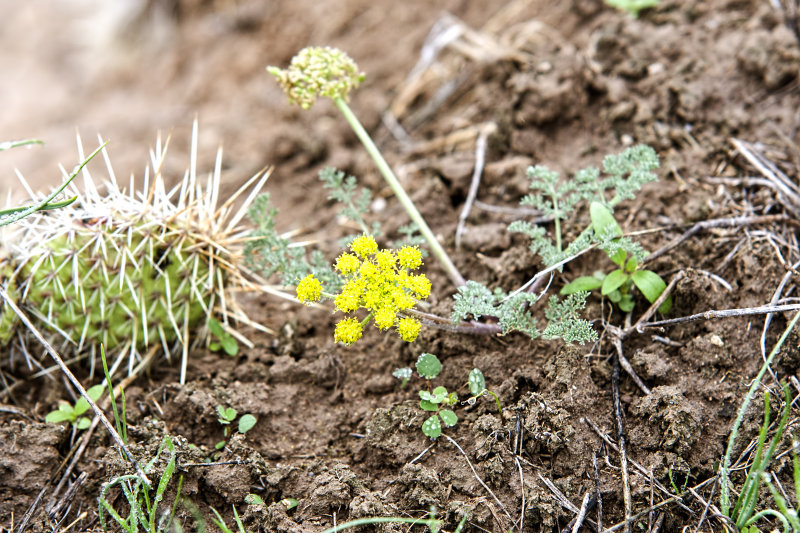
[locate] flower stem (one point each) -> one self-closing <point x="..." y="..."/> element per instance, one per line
<point x="393" y="182"/>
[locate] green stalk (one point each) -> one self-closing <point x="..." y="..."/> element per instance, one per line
<point x="111" y="395"/>
<point x="724" y="495"/>
<point x="406" y="202"/>
<point x="432" y="523"/>
<point x="557" y="220"/>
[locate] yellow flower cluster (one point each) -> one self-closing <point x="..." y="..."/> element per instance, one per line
<point x="309" y="289"/>
<point x="379" y="281"/>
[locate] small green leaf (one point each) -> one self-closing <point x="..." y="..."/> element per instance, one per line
<point x="649" y="283"/>
<point x="619" y="257"/>
<point x="403" y="374"/>
<point x="81" y="406"/>
<point x="477" y="383"/>
<point x="215" y="327"/>
<point x="626" y="304"/>
<point x="432" y="427"/>
<point x="58" y="415"/>
<point x="289" y="503"/>
<point x="226" y="415"/>
<point x="230" y="345"/>
<point x="246" y="423"/>
<point x="220" y="445"/>
<point x="614" y="280"/>
<point x="214" y="346"/>
<point x="428" y="365"/>
<point x="582" y="284"/>
<point x="666" y="306"/>
<point x="427" y="405"/>
<point x="253" y="499"/>
<point x="631" y="265"/>
<point x="438" y="395"/>
<point x="603" y="220"/>
<point x="448" y="417"/>
<point x="83" y="423"/>
<point x="95" y="392"/>
<point x="452" y="399"/>
<point x="615" y="296"/>
<point x="440" y="392"/>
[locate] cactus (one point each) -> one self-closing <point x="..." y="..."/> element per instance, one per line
<point x="131" y="270"/>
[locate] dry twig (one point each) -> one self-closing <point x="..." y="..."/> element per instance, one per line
<point x="480" y="159"/>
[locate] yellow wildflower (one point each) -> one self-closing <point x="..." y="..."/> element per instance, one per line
<point x="385" y="260"/>
<point x="409" y="257"/>
<point x="401" y="298"/>
<point x="309" y="289"/>
<point x="380" y="282"/>
<point x="384" y="317"/>
<point x="421" y="286"/>
<point x="368" y="271"/>
<point x="346" y="301"/>
<point x="408" y="328"/>
<point x="347" y="263"/>
<point x="348" y="331"/>
<point x="364" y="246"/>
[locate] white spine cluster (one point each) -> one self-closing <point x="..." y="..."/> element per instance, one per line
<point x="133" y="269"/>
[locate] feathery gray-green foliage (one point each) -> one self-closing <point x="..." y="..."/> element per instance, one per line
<point x="622" y="175"/>
<point x="355" y="203"/>
<point x="475" y="300"/>
<point x="270" y="253"/>
<point x="625" y="173"/>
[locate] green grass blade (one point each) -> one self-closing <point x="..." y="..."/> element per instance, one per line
<point x="220" y="522"/>
<point x="238" y="520"/>
<point x="7" y="145"/>
<point x="163" y="482"/>
<point x="9" y="216"/>
<point x="175" y="503"/>
<point x="430" y="522"/>
<point x="770" y="512"/>
<point x="749" y="496"/>
<point x="780" y="501"/>
<point x="726" y="460"/>
<point x="796" y="470"/>
<point x="111" y="393"/>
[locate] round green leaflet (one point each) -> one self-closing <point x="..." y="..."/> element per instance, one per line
<point x="449" y="418"/>
<point x="432" y="427"/>
<point x="477" y="383"/>
<point x="428" y="365"/>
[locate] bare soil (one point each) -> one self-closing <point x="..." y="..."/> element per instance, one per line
<point x="563" y="83"/>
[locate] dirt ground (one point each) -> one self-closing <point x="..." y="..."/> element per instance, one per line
<point x="559" y="83"/>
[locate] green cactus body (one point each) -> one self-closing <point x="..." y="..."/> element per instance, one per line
<point x="116" y="288"/>
<point x="130" y="271"/>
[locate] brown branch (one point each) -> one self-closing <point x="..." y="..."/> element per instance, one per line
<point x="725" y="313"/>
<point x="599" y="494"/>
<point x="626" y="485"/>
<point x="480" y="159"/>
<point x="732" y="222"/>
<point x="436" y="321"/>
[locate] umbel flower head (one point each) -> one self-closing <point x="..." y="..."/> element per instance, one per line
<point x="379" y="281"/>
<point x="318" y="71"/>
